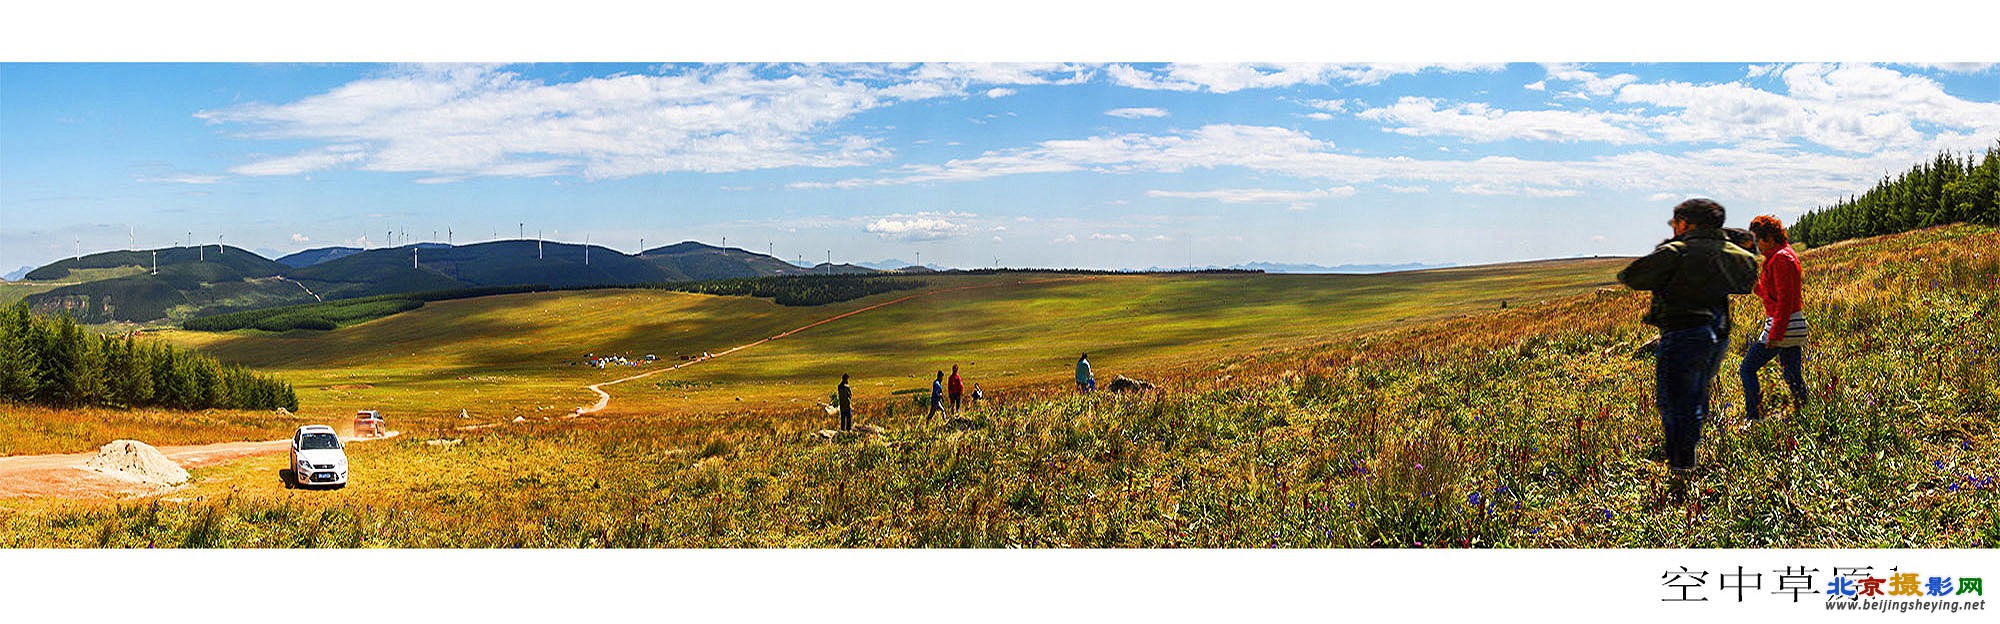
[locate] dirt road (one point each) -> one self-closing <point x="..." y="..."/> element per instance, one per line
<point x="35" y="476"/>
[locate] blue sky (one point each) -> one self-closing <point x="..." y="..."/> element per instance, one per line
<point x="1103" y="165"/>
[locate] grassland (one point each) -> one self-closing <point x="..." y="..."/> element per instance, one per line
<point x="501" y="357"/>
<point x="1529" y="426"/>
<point x="31" y="430"/>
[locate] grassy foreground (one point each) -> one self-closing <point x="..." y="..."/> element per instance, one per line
<point x="1528" y="427"/>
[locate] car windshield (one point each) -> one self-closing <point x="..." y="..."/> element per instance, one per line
<point x="319" y="441"/>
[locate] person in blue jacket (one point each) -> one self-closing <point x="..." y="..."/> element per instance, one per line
<point x="937" y="395"/>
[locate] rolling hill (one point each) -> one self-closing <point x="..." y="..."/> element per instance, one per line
<point x="188" y="281"/>
<point x="696" y="261"/>
<point x="311" y="257"/>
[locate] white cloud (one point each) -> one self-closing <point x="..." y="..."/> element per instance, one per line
<point x="1590" y="82"/>
<point x="1161" y="238"/>
<point x="1477" y="122"/>
<point x="1396" y="188"/>
<point x="302" y="162"/>
<point x="1250" y="196"/>
<point x="1539" y="85"/>
<point x="1853" y="108"/>
<point x="1135" y="113"/>
<point x="1066" y="239"/>
<point x="1232" y="77"/>
<point x="1783" y="177"/>
<point x="1000" y="92"/>
<point x="1319" y="116"/>
<point x="1525" y="191"/>
<point x="1956" y="68"/>
<point x="465" y="121"/>
<point x="300" y="238"/>
<point x="1116" y="238"/>
<point x="918" y="228"/>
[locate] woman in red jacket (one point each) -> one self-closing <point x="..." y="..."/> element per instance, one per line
<point x="1784" y="332"/>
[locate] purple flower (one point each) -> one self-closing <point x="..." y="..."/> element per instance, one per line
<point x="1938" y="464"/>
<point x="1420" y="466"/>
<point x="1607" y="514"/>
<point x="1472" y="499"/>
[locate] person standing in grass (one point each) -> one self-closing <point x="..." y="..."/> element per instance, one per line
<point x="937" y="395"/>
<point x="1084" y="382"/>
<point x="845" y="396"/>
<point x="1691" y="277"/>
<point x="1784" y="331"/>
<point x="957" y="389"/>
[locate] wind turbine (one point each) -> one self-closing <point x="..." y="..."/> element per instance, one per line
<point x="132" y="234"/>
<point x="538" y="244"/>
<point x="413" y="256"/>
<point x="218" y="244"/>
<point x="586" y="250"/>
<point x="156" y="262"/>
<point x="79" y="249"/>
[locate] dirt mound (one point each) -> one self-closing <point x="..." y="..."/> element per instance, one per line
<point x="1128" y="384"/>
<point x="137" y="461"/>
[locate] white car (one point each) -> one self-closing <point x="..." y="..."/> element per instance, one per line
<point x="317" y="457"/>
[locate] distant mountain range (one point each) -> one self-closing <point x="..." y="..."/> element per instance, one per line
<point x="190" y="281"/>
<point x="122" y="285"/>
<point x="16" y="274"/>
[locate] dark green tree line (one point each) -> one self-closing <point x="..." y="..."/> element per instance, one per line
<point x="54" y="361"/>
<point x="1947" y="189"/>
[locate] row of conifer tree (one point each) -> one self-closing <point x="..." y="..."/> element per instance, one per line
<point x="51" y="360"/>
<point x="1947" y="189"/>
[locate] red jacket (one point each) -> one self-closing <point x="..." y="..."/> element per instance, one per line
<point x="1778" y="285"/>
<point x="957" y="387"/>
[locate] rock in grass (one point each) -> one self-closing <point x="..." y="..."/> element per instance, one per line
<point x="859" y="431"/>
<point x="1127" y="384"/>
<point x="137" y="461"/>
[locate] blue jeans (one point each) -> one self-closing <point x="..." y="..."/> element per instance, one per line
<point x="1684" y="371"/>
<point x="1790" y="362"/>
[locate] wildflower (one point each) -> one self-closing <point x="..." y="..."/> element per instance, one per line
<point x="1420" y="466"/>
<point x="1501" y="490"/>
<point x="1472" y="499"/>
<point x="1938" y="464"/>
<point x="1607" y="514"/>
